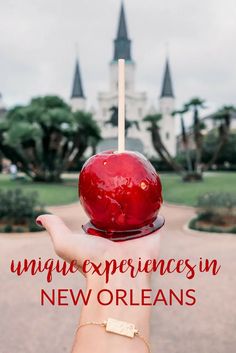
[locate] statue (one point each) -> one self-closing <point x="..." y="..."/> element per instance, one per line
<point x="114" y="120"/>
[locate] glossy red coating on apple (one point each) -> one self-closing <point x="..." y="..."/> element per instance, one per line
<point x="120" y="191"/>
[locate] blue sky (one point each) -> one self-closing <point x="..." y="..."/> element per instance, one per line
<point x="38" y="41"/>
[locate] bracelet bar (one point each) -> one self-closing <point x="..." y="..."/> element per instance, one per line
<point x="118" y="327"/>
<point x="121" y="328"/>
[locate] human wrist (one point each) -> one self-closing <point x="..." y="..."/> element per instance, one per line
<point x="131" y="309"/>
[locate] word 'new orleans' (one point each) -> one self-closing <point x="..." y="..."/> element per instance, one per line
<point x="123" y="297"/>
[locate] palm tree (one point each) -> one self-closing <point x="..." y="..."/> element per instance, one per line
<point x="223" y="118"/>
<point x="88" y="133"/>
<point x="158" y="143"/>
<point x="195" y="104"/>
<point x="185" y="139"/>
<point x="44" y="138"/>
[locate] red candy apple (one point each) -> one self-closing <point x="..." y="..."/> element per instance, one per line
<point x="120" y="191"/>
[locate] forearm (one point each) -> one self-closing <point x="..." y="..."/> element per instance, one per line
<point x="94" y="339"/>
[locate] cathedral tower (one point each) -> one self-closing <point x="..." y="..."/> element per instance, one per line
<point x="122" y="43"/>
<point x="135" y="101"/>
<point x="167" y="105"/>
<point x="122" y="50"/>
<point x="78" y="100"/>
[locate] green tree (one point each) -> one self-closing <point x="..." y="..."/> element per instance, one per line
<point x="45" y="137"/>
<point x="185" y="138"/>
<point x="88" y="133"/>
<point x="195" y="104"/>
<point x="226" y="154"/>
<point x="223" y="119"/>
<point x="157" y="142"/>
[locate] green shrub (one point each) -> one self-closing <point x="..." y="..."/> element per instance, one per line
<point x="216" y="203"/>
<point x="19" y="229"/>
<point x="7" y="228"/>
<point x="32" y="225"/>
<point x="216" y="213"/>
<point x="193" y="224"/>
<point x="18" y="211"/>
<point x="16" y="206"/>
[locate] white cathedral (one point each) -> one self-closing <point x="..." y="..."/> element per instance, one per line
<point x="138" y="138"/>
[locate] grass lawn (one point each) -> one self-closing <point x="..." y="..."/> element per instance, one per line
<point x="49" y="194"/>
<point x="174" y="190"/>
<point x="177" y="191"/>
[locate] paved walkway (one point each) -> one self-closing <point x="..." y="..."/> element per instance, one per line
<point x="207" y="327"/>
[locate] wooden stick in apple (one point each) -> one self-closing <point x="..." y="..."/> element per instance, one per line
<point x="121" y="105"/>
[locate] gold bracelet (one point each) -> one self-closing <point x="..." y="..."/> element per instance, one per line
<point x="118" y="327"/>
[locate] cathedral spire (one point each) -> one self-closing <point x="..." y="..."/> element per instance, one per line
<point x="77" y="90"/>
<point x="167" y="89"/>
<point x="122" y="42"/>
<point x="122" y="28"/>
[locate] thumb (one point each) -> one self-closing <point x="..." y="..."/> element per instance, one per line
<point x="65" y="243"/>
<point x="55" y="227"/>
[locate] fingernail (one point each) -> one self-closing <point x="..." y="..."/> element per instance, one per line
<point x="39" y="223"/>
